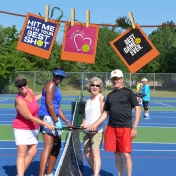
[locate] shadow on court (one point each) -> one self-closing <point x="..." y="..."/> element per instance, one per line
<point x="87" y="171"/>
<point x="33" y="169"/>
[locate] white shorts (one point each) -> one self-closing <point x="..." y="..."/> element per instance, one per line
<point x="44" y="129"/>
<point x="26" y="137"/>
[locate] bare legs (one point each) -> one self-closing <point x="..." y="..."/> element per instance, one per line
<point x="48" y="145"/>
<point x="51" y="163"/>
<point x="24" y="159"/>
<point x="54" y="154"/>
<point x="94" y="159"/>
<point x="120" y="164"/>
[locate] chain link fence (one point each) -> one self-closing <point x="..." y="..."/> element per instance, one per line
<point x="161" y="84"/>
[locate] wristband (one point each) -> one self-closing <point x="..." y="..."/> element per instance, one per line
<point x="67" y="121"/>
<point x="58" y="125"/>
<point x="134" y="127"/>
<point x="56" y="121"/>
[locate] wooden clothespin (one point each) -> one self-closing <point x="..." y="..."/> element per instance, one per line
<point x="72" y="17"/>
<point x="87" y="18"/>
<point x="131" y="19"/>
<point x="46" y="12"/>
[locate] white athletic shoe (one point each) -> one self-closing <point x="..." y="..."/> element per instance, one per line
<point x="49" y="174"/>
<point x="145" y="117"/>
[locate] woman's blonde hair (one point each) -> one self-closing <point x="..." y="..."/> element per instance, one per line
<point x="88" y="85"/>
<point x="19" y="78"/>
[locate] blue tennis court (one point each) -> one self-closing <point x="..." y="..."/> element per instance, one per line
<point x="154" y="150"/>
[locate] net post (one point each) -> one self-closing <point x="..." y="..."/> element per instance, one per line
<point x="80" y="99"/>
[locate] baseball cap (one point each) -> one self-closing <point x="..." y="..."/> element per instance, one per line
<point x="144" y="79"/>
<point x="116" y="73"/>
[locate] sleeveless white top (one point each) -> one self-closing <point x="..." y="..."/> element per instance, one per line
<point x="93" y="112"/>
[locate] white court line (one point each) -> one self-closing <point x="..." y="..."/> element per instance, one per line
<point x="154" y="127"/>
<point x="16" y="148"/>
<point x="163" y="112"/>
<point x="4" y="100"/>
<point x="9" y="109"/>
<point x="138" y="150"/>
<point x="5" y="122"/>
<point x="14" y="109"/>
<point x="158" y="143"/>
<point x="156" y="124"/>
<point x="163" y="104"/>
<point x="164" y="117"/>
<point x="15" y="114"/>
<point x="143" y="150"/>
<point x="140" y="125"/>
<point x="7" y="114"/>
<point x="14" y="141"/>
<point x="135" y="150"/>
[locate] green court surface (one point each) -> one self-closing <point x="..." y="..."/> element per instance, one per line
<point x="145" y="134"/>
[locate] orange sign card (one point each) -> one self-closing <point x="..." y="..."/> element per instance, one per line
<point x="37" y="36"/>
<point x="80" y="43"/>
<point x="134" y="48"/>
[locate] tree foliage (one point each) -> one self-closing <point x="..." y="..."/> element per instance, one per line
<point x="164" y="39"/>
<point x="12" y="60"/>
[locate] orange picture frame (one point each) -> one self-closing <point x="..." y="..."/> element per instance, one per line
<point x="75" y="56"/>
<point x="153" y="53"/>
<point x="37" y="51"/>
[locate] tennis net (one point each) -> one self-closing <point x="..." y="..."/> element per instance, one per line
<point x="71" y="161"/>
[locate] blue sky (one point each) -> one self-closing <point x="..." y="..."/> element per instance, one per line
<point x="146" y="12"/>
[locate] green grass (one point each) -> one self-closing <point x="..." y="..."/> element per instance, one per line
<point x="7" y="106"/>
<point x="156" y="134"/>
<point x="6" y="133"/>
<point x="154" y="93"/>
<point x="145" y="134"/>
<point x="76" y="92"/>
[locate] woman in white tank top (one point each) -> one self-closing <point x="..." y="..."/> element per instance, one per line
<point x="93" y="110"/>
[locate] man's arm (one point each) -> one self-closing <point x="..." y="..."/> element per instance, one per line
<point x="136" y="121"/>
<point x="137" y="116"/>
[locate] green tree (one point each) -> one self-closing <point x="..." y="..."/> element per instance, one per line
<point x="164" y="39"/>
<point x="10" y="59"/>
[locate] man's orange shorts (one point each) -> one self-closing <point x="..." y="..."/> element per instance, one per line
<point x="118" y="139"/>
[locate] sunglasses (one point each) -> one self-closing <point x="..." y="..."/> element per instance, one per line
<point x="92" y="85"/>
<point x="116" y="78"/>
<point x="21" y="85"/>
